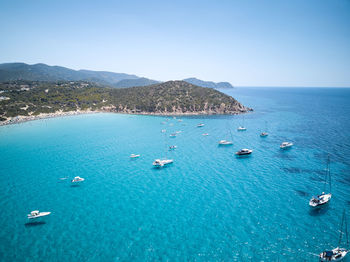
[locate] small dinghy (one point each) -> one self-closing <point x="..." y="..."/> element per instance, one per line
<point x="244" y="152"/>
<point x="286" y="145"/>
<point x="78" y="179"/>
<point x="338" y="253"/>
<point x="200" y="125"/>
<point x="134" y="156"/>
<point x="205" y="134"/>
<point x="163" y="130"/>
<point x="225" y="143"/>
<point x="37" y="214"/>
<point x="241" y="128"/>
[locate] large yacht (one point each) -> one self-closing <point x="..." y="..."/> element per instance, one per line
<point x="225" y="143"/>
<point x="163" y="162"/>
<point x="37" y="214"/>
<point x="244" y="152"/>
<point x="78" y="179"/>
<point x="286" y="145"/>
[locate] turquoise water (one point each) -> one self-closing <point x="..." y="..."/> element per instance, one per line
<point x="207" y="206"/>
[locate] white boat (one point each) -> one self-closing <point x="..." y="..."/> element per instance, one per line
<point x="37" y="214"/>
<point x="225" y="142"/>
<point x="323" y="198"/>
<point x="162" y="162"/>
<point x="134" y="156"/>
<point x="244" y="152"/>
<point x="163" y="130"/>
<point x="200" y="125"/>
<point x="172" y="147"/>
<point x="178" y="132"/>
<point x="338" y="253"/>
<point x="317" y="201"/>
<point x="264" y="134"/>
<point x="180" y="120"/>
<point x="173" y="135"/>
<point x="241" y="128"/>
<point x="286" y="145"/>
<point x="78" y="179"/>
<point x="205" y="134"/>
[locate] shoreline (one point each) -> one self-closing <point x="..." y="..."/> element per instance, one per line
<point x="23" y="119"/>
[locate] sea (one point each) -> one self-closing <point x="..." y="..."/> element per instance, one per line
<point x="209" y="205"/>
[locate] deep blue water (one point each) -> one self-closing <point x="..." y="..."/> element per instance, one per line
<point x="207" y="206"/>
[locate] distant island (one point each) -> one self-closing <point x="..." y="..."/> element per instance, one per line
<point x="43" y="72"/>
<point x="27" y="100"/>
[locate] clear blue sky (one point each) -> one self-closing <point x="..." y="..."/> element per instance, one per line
<point x="248" y="43"/>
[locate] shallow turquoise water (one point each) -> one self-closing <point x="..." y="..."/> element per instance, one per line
<point x="207" y="206"/>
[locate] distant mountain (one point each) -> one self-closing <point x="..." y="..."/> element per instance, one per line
<point x="209" y="84"/>
<point x="135" y="82"/>
<point x="43" y="72"/>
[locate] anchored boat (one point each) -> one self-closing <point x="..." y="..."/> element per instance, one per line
<point x="323" y="198"/>
<point x="37" y="214"/>
<point x="338" y="253"/>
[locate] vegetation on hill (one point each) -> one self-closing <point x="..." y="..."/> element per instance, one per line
<point x="173" y="97"/>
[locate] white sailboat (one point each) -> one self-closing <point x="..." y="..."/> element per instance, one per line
<point x="225" y="142"/>
<point x="241" y="128"/>
<point x="338" y="253"/>
<point x="323" y="198"/>
<point x="165" y="161"/>
<point x="264" y="134"/>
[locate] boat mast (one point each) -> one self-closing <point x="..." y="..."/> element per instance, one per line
<point x="341" y="228"/>
<point x="328" y="176"/>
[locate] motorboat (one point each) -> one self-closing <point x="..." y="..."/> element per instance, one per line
<point x="286" y="145"/>
<point x="178" y="132"/>
<point x="320" y="200"/>
<point x="37" y="214"/>
<point x="173" y="135"/>
<point x="263" y="134"/>
<point x="172" y="147"/>
<point x="163" y="162"/>
<point x="225" y="143"/>
<point x="180" y="120"/>
<point x="205" y="134"/>
<point x="336" y="254"/>
<point x="200" y="125"/>
<point x="78" y="179"/>
<point x="134" y="156"/>
<point x="323" y="198"/>
<point x="241" y="128"/>
<point x="244" y="152"/>
<point x="163" y="130"/>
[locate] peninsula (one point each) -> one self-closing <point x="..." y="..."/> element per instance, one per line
<point x="30" y="100"/>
